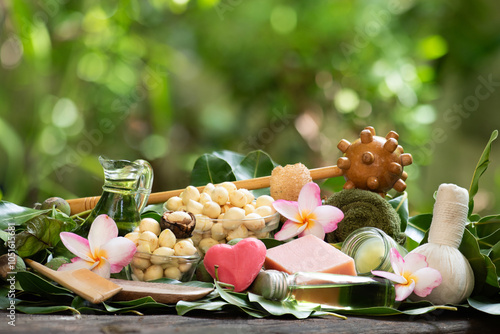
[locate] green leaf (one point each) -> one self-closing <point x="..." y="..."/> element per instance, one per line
<point x="494" y="255"/>
<point x="255" y="164"/>
<point x="491" y="274"/>
<point x="418" y="226"/>
<point x="18" y="215"/>
<point x="481" y="167"/>
<point x="470" y="249"/>
<point x="232" y="158"/>
<point x="490" y="240"/>
<point x="44" y="309"/>
<point x="238" y="299"/>
<point x="210" y="169"/>
<point x="33" y="283"/>
<point x="270" y="242"/>
<point x="41" y="232"/>
<point x="183" y="307"/>
<point x="485" y="226"/>
<point x="333" y="184"/>
<point x="400" y="204"/>
<point x="279" y="308"/>
<point x="485" y="304"/>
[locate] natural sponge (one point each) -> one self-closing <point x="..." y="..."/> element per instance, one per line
<point x="286" y="182"/>
<point x="363" y="208"/>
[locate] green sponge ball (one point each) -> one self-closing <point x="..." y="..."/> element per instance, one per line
<point x="364" y="208"/>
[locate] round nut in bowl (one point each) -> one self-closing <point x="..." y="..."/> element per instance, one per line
<point x="224" y="230"/>
<point x="148" y="267"/>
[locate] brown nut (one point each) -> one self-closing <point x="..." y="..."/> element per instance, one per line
<point x="181" y="223"/>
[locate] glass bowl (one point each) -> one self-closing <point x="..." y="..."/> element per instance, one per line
<point x="209" y="232"/>
<point x="147" y="267"/>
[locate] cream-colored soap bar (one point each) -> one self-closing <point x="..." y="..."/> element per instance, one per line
<point x="309" y="253"/>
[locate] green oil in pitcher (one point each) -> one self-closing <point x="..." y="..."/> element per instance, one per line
<point x="126" y="189"/>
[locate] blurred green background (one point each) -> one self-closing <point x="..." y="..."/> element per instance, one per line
<point x="169" y="80"/>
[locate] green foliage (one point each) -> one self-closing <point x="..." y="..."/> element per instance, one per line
<point x="168" y="80"/>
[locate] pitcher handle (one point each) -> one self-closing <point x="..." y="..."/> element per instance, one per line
<point x="145" y="184"/>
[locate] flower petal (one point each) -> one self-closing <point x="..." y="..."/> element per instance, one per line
<point x="414" y="262"/>
<point x="76" y="263"/>
<point x="76" y="245"/>
<point x="315" y="229"/>
<point x="119" y="252"/>
<point x="103" y="268"/>
<point x="288" y="209"/>
<point x="309" y="198"/>
<point x="404" y="290"/>
<point x="328" y="216"/>
<point x="289" y="230"/>
<point x="102" y="230"/>
<point x="426" y="279"/>
<point x="390" y="276"/>
<point x="397" y="261"/>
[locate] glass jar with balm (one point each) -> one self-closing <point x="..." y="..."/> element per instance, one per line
<point x="370" y="248"/>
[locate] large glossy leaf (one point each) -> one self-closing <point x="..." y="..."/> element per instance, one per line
<point x="232" y="158"/>
<point x="210" y="169"/>
<point x="184" y="307"/>
<point x="494" y="255"/>
<point x="34" y="283"/>
<point x="400" y="204"/>
<point x="481" y="167"/>
<point x="41" y="232"/>
<point x="470" y="249"/>
<point x="11" y="213"/>
<point x="278" y="308"/>
<point x="485" y="226"/>
<point x="485" y="304"/>
<point x="255" y="164"/>
<point x="418" y="226"/>
<point x="490" y="240"/>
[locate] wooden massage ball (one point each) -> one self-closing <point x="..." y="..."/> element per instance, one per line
<point x="374" y="163"/>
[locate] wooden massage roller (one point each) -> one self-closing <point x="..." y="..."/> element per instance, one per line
<point x="371" y="162"/>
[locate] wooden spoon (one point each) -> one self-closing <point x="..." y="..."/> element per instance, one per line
<point x="83" y="282"/>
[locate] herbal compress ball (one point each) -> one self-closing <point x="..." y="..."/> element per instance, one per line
<point x="363" y="208"/>
<point x="286" y="182"/>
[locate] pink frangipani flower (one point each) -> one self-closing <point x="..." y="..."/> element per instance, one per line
<point x="307" y="215"/>
<point x="411" y="274"/>
<point x="104" y="252"/>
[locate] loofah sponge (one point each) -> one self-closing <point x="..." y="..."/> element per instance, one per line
<point x="286" y="182"/>
<point x="363" y="208"/>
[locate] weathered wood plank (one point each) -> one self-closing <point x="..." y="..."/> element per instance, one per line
<point x="208" y="323"/>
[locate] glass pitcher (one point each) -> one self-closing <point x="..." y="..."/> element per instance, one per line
<point x="126" y="190"/>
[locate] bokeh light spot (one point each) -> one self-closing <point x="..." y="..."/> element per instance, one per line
<point x="154" y="147"/>
<point x="11" y="52"/>
<point x="433" y="47"/>
<point x="346" y="100"/>
<point x="424" y="114"/>
<point x="91" y="66"/>
<point x="283" y="19"/>
<point x="65" y="113"/>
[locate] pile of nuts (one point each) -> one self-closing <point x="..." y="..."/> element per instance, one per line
<point x="155" y="249"/>
<point x="224" y="213"/>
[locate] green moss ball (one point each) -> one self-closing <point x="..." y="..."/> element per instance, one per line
<point x="363" y="208"/>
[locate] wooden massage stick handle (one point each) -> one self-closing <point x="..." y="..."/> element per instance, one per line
<point x="88" y="203"/>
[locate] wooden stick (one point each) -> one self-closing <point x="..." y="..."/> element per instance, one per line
<point x="87" y="203"/>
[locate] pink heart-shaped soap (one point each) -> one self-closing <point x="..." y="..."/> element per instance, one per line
<point x="237" y="265"/>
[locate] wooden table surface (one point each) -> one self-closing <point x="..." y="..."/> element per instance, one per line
<point x="462" y="321"/>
